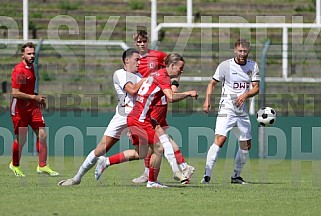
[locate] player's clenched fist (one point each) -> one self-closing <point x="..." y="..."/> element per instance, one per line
<point x="206" y="107"/>
<point x="194" y="94"/>
<point x="41" y="100"/>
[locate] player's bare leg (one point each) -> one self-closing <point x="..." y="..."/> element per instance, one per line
<point x="103" y="146"/>
<point x="154" y="167"/>
<point x="132" y="154"/>
<point x="144" y="177"/>
<point x="170" y="156"/>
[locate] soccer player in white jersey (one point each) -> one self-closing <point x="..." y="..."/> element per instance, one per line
<point x="237" y="75"/>
<point x="127" y="83"/>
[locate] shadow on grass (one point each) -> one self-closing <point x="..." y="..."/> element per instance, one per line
<point x="265" y="183"/>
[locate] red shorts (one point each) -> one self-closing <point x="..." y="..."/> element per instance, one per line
<point x="21" y="118"/>
<point x="142" y="133"/>
<point x="159" y="113"/>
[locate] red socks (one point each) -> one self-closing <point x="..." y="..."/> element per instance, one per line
<point x="41" y="149"/>
<point x="153" y="174"/>
<point x="179" y="157"/>
<point x="147" y="160"/>
<point x="42" y="153"/>
<point x="16" y="153"/>
<point x="117" y="158"/>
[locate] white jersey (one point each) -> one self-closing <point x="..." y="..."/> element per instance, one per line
<point x="121" y="78"/>
<point x="236" y="80"/>
<point x="118" y="124"/>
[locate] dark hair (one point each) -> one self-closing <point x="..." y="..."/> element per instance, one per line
<point x="128" y="53"/>
<point x="140" y="33"/>
<point x="28" y="44"/>
<point x="173" y="58"/>
<point x="242" y="42"/>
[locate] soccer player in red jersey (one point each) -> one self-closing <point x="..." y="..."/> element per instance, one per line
<point x="140" y="122"/>
<point x="151" y="61"/>
<point x="25" y="110"/>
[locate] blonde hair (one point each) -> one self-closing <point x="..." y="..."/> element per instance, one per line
<point x="173" y="58"/>
<point x="243" y="42"/>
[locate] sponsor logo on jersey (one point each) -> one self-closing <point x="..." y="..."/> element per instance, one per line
<point x="241" y="85"/>
<point x="249" y="73"/>
<point x="140" y="99"/>
<point x="151" y="65"/>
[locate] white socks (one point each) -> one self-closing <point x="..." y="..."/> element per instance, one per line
<point x="240" y="160"/>
<point x="212" y="154"/>
<point x="169" y="152"/>
<point x="146" y="171"/>
<point x="107" y="161"/>
<point x="183" y="166"/>
<point x="89" y="162"/>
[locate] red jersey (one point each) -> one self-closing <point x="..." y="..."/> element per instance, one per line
<point x="150" y="93"/>
<point x="151" y="62"/>
<point x="24" y="79"/>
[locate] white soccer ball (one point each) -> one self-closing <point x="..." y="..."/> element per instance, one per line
<point x="266" y="116"/>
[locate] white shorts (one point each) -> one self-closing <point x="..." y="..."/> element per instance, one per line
<point x="118" y="124"/>
<point x="241" y="126"/>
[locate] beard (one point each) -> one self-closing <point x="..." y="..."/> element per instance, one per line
<point x="30" y="61"/>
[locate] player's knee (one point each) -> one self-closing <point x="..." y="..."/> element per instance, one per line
<point x="158" y="149"/>
<point x="220" y="140"/>
<point x="246" y="145"/>
<point x="42" y="137"/>
<point x="100" y="150"/>
<point x="141" y="155"/>
<point x="22" y="140"/>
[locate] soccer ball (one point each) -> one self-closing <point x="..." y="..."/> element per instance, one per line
<point x="266" y="116"/>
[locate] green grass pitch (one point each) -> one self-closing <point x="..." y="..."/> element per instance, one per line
<point x="276" y="188"/>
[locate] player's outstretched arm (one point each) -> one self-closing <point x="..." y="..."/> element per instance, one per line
<point x="175" y="97"/>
